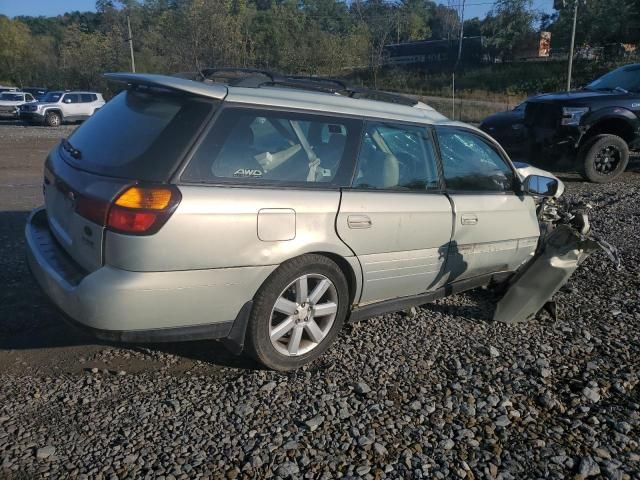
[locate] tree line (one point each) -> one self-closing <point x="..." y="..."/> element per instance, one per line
<point x="316" y="37"/>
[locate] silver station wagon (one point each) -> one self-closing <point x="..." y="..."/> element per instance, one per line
<point x="266" y="211"/>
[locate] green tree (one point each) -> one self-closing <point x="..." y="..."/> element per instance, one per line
<point x="84" y="57"/>
<point x="15" y="45"/>
<point x="507" y="24"/>
<point x="600" y="22"/>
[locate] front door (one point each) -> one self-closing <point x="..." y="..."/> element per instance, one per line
<point x="72" y="106"/>
<point x="396" y="218"/>
<point x="494" y="229"/>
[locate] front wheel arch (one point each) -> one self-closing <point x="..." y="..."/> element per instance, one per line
<point x="610" y="125"/>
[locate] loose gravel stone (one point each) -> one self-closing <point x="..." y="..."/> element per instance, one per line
<point x="592" y="394"/>
<point x="362" y="388"/>
<point x="588" y="468"/>
<point x="45" y="452"/>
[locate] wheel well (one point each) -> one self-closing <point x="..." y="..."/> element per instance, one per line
<point x="53" y="110"/>
<point x="613" y="126"/>
<point x="346" y="269"/>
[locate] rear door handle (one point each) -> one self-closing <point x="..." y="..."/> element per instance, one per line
<point x="469" y="219"/>
<point x="358" y="221"/>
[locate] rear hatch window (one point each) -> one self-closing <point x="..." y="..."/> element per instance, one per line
<point x="141" y="134"/>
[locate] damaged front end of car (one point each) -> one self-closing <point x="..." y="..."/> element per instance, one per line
<point x="566" y="241"/>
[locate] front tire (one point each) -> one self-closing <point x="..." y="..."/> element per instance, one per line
<point x="603" y="158"/>
<point x="53" y="119"/>
<point x="297" y="312"/>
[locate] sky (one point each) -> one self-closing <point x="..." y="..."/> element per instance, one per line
<point x="12" y="8"/>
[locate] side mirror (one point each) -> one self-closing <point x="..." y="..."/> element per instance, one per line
<point x="540" y="186"/>
<point x="67" y="100"/>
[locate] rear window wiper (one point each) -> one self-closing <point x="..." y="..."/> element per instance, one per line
<point x="74" y="152"/>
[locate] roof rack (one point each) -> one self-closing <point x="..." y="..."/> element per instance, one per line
<point x="239" y="77"/>
<point x="255" y="78"/>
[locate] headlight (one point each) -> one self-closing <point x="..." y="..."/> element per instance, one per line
<point x="572" y="115"/>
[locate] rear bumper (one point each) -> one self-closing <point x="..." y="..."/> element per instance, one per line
<point x="119" y="305"/>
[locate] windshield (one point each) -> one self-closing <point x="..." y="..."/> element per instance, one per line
<point x="623" y="79"/>
<point x="12" y="97"/>
<point x="52" y="97"/>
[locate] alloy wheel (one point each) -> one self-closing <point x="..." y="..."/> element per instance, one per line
<point x="607" y="160"/>
<point x="303" y="315"/>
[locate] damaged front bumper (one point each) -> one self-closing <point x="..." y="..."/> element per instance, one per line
<point x="567" y="240"/>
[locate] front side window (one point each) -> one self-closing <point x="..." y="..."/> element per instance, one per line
<point x="471" y="164"/>
<point x="71" y="98"/>
<point x="396" y="157"/>
<point x="260" y="146"/>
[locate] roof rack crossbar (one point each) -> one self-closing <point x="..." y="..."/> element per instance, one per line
<point x="368" y="94"/>
<point x="212" y="72"/>
<point x="322" y="80"/>
<point x="254" y="78"/>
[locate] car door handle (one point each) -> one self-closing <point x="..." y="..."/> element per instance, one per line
<point x="358" y="221"/>
<point x="469" y="219"/>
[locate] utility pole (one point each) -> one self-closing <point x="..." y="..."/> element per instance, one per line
<point x="133" y="61"/>
<point x="455" y="67"/>
<point x="573" y="41"/>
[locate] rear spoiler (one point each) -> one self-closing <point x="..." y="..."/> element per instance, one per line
<point x="216" y="91"/>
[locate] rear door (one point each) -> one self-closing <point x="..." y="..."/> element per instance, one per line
<point x="494" y="229"/>
<point x="395" y="217"/>
<point x="86" y="106"/>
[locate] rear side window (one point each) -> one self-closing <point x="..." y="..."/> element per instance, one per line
<point x="470" y="163"/>
<point x="87" y="97"/>
<point x="396" y="157"/>
<point x="140" y="135"/>
<point x="273" y="147"/>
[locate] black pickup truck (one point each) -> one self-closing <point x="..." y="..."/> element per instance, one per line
<point x="594" y="128"/>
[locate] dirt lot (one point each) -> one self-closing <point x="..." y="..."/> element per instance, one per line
<point x="443" y="394"/>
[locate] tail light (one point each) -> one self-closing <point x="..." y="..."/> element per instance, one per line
<point x="143" y="210"/>
<point x="139" y="210"/>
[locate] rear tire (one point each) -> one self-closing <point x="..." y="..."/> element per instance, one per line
<point x="603" y="158"/>
<point x="53" y="119"/>
<point x="289" y="327"/>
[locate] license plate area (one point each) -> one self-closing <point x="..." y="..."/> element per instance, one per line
<point x="59" y="200"/>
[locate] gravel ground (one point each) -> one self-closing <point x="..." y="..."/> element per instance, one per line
<point x="445" y="393"/>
